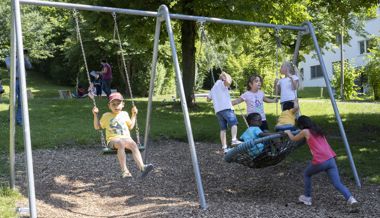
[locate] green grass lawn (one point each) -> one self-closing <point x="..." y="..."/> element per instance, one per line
<point x="8" y="200"/>
<point x="56" y="123"/>
<point x="313" y="92"/>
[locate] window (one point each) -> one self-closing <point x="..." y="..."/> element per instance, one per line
<point x="365" y="46"/>
<point x="316" y="71"/>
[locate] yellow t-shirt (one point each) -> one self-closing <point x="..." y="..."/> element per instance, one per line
<point x="116" y="125"/>
<point x="286" y="117"/>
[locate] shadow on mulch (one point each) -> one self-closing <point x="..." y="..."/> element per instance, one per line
<point x="82" y="183"/>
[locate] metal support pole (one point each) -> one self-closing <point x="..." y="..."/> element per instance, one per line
<point x="165" y="12"/>
<point x="151" y="85"/>
<point x="336" y="111"/>
<point x="12" y="103"/>
<point x="25" y="113"/>
<point x="341" y="65"/>
<point x="297" y="48"/>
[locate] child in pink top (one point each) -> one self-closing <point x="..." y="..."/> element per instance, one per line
<point x="255" y="98"/>
<point x="323" y="159"/>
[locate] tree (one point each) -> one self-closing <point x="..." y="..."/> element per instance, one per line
<point x="38" y="30"/>
<point x="247" y="51"/>
<point x="350" y="76"/>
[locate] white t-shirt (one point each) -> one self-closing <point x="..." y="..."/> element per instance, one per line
<point x="220" y="96"/>
<point x="287" y="91"/>
<point x="255" y="102"/>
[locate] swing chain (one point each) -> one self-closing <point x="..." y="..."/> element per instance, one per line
<point x="116" y="31"/>
<point x="240" y="109"/>
<point x="79" y="37"/>
<point x="278" y="47"/>
<point x="122" y="56"/>
<point x="204" y="39"/>
<point x="202" y="30"/>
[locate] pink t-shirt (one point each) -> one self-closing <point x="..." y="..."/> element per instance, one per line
<point x="255" y="102"/>
<point x="320" y="149"/>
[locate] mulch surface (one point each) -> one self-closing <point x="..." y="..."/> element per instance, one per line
<point x="78" y="182"/>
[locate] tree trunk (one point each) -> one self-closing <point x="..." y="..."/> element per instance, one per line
<point x="376" y="92"/>
<point x="188" y="52"/>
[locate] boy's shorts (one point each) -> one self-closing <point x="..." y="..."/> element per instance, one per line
<point x="226" y="117"/>
<point x="111" y="144"/>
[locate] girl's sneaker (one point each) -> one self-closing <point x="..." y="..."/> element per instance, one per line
<point x="305" y="200"/>
<point x="352" y="201"/>
<point x="146" y="170"/>
<point x="353" y="205"/>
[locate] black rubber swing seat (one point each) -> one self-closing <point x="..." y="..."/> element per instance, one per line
<point x="106" y="150"/>
<point x="276" y="148"/>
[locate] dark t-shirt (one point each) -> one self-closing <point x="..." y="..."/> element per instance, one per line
<point x="108" y="74"/>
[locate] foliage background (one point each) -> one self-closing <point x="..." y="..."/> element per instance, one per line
<point x="49" y="34"/>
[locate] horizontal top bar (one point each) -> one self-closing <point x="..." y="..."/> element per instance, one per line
<point x="155" y="14"/>
<point x="235" y="22"/>
<point x="89" y="7"/>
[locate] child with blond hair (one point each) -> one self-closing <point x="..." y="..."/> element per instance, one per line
<point x="288" y="85"/>
<point x="221" y="99"/>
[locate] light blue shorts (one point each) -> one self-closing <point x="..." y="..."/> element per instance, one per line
<point x="226" y="117"/>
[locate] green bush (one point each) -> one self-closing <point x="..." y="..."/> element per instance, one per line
<point x="350" y="75"/>
<point x="372" y="69"/>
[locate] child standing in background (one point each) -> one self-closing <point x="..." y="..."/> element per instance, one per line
<point x="221" y="100"/>
<point x="287" y="86"/>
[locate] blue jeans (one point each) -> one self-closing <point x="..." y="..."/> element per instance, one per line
<point x="18" y="97"/>
<point x="226" y="117"/>
<point x="106" y="86"/>
<point x="329" y="166"/>
<point x="98" y="89"/>
<point x="285" y="127"/>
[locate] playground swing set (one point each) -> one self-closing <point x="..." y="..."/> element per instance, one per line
<point x="239" y="154"/>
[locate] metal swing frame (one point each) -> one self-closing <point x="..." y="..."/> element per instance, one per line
<point x="162" y="15"/>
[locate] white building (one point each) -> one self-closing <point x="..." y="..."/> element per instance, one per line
<point x="355" y="52"/>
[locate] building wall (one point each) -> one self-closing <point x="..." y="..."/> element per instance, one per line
<point x="351" y="52"/>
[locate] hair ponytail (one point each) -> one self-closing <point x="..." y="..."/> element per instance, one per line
<point x="304" y="122"/>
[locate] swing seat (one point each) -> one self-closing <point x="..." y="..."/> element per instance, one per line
<point x="276" y="148"/>
<point x="107" y="150"/>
